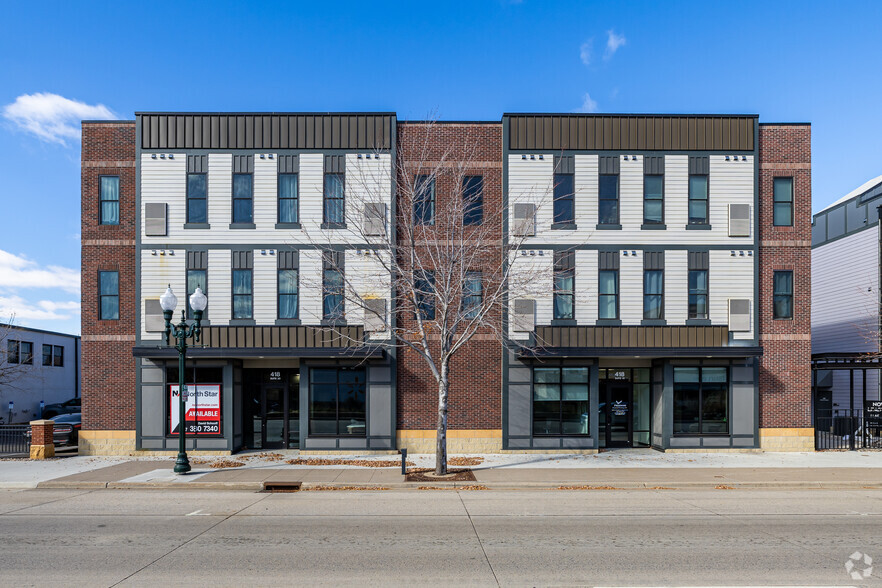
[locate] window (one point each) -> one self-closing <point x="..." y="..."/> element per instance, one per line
<point x="27" y="352"/>
<point x="12" y="355"/>
<point x="608" y="294"/>
<point x="337" y="402"/>
<point x="783" y="294"/>
<point x="473" y="200"/>
<point x="472" y="294"/>
<point x="47" y="355"/>
<point x="701" y="400"/>
<point x="564" y="285"/>
<point x="424" y="291"/>
<point x="424" y="201"/>
<point x="334" y="204"/>
<point x="653" y="294"/>
<point x="560" y="401"/>
<point x="698" y="294"/>
<point x="108" y="303"/>
<point x="242" y="294"/>
<point x="653" y="200"/>
<point x="197" y="192"/>
<point x="564" y="199"/>
<point x="698" y="200"/>
<point x="783" y="202"/>
<point x="58" y="356"/>
<point x="288" y="196"/>
<point x="333" y="307"/>
<point x="196" y="278"/>
<point x="242" y="201"/>
<point x="608" y="200"/>
<point x="109" y="197"/>
<point x="288" y="292"/>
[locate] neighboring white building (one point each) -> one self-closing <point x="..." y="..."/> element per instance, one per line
<point x="845" y="292"/>
<point x="38" y="366"/>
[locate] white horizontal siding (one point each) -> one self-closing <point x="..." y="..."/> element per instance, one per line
<point x="219" y="286"/>
<point x="531" y="180"/>
<point x="158" y="272"/>
<point x="367" y="180"/>
<point x="366" y="279"/>
<point x="676" y="286"/>
<point x="531" y="278"/>
<point x="220" y="199"/>
<point x="265" y="284"/>
<point x="631" y="288"/>
<point x="164" y="181"/>
<point x="731" y="277"/>
<point x="266" y="194"/>
<point x="845" y="290"/>
<point x="586" y="286"/>
<point x="310" y="287"/>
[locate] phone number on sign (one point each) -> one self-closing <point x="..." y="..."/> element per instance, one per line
<point x="203" y="428"/>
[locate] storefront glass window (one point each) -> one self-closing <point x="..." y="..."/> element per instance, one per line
<point x="701" y="400"/>
<point x="337" y="402"/>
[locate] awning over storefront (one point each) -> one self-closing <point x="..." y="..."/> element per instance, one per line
<point x="559" y="352"/>
<point x="366" y="352"/>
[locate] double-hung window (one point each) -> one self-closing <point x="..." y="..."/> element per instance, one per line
<point x="608" y="199"/>
<point x="564" y="285"/>
<point x="108" y="296"/>
<point x="58" y="356"/>
<point x="333" y="286"/>
<point x="197" y="194"/>
<point x="243" y="285"/>
<point x="560" y="401"/>
<point x="473" y="200"/>
<point x="424" y="200"/>
<point x="424" y="292"/>
<point x="701" y="400"/>
<point x="109" y="197"/>
<point x="289" y="286"/>
<point x="783" y="294"/>
<point x="608" y="294"/>
<point x="653" y="294"/>
<point x="47" y="355"/>
<point x="698" y="200"/>
<point x="472" y="294"/>
<point x="243" y="202"/>
<point x="12" y="351"/>
<point x="288" y="199"/>
<point x="653" y="200"/>
<point x="334" y="203"/>
<point x="197" y="278"/>
<point x="27" y="352"/>
<point x="783" y="202"/>
<point x="698" y="285"/>
<point x="564" y="199"/>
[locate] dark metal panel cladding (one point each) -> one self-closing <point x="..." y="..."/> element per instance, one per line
<point x="654" y="165"/>
<point x="608" y="260"/>
<point x="197" y="164"/>
<point x="564" y="164"/>
<point x="699" y="165"/>
<point x="698" y="260"/>
<point x="653" y="260"/>
<point x="335" y="164"/>
<point x="609" y="164"/>
<point x="243" y="164"/>
<point x="289" y="164"/>
<point x="289" y="259"/>
<point x="197" y="260"/>
<point x="243" y="260"/>
<point x="630" y="132"/>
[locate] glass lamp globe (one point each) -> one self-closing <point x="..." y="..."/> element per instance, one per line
<point x="198" y="300"/>
<point x="168" y="301"/>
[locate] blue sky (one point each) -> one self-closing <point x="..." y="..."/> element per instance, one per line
<point x="815" y="62"/>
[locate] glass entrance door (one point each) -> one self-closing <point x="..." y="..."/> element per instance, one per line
<point x="274" y="424"/>
<point x="619" y="411"/>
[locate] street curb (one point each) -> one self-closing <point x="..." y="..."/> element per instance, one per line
<point x="18" y="485"/>
<point x="317" y="486"/>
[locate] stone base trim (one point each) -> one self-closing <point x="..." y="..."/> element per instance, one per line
<point x="107" y="443"/>
<point x="550" y="450"/>
<point x="458" y="441"/>
<point x="787" y="439"/>
<point x="713" y="450"/>
<point x="42" y="451"/>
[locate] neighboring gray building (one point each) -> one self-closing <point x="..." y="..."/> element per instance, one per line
<point x="845" y="298"/>
<point x="35" y="366"/>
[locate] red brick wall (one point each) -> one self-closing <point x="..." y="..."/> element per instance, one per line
<point x="108" y="368"/>
<point x="475" y="400"/>
<point x="785" y="368"/>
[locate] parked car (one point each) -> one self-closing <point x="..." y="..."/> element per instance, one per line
<point x="67" y="407"/>
<point x="66" y="430"/>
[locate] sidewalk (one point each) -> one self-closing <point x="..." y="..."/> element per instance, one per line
<point x="627" y="469"/>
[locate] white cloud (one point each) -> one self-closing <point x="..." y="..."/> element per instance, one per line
<point x="19" y="272"/>
<point x="51" y="117"/>
<point x="19" y="309"/>
<point x="585" y="51"/>
<point x="613" y="42"/>
<point x="588" y="104"/>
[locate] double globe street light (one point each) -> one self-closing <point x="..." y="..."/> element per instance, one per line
<point x="182" y="331"/>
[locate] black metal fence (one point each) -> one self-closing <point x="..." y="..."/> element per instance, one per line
<point x="13" y="439"/>
<point x="847" y="429"/>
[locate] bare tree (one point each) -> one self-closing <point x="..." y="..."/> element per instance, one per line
<point x="13" y="366"/>
<point x="444" y="270"/>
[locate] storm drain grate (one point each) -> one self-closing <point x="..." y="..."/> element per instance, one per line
<point x="281" y="486"/>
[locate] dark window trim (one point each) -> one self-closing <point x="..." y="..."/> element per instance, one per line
<point x="662" y="314"/>
<point x="701" y="394"/>
<point x="617" y="296"/>
<point x="10" y="344"/>
<point x="422" y="200"/>
<point x="338" y="318"/>
<point x="233" y="294"/>
<point x="568" y="271"/>
<point x="564" y="226"/>
<point x="326" y="224"/>
<point x="560" y="369"/>
<point x="646" y="224"/>
<point x="775" y="296"/>
<point x="187" y="203"/>
<point x="279" y="199"/>
<point x="617" y="200"/>
<point x="102" y="296"/>
<point x="425" y="306"/>
<point x="45" y="346"/>
<point x="600" y="227"/>
<point x="706" y="222"/>
<point x="234" y="199"/>
<point x="706" y="296"/>
<point x="59" y="356"/>
<point x="473" y="210"/>
<point x="791" y="201"/>
<point x="476" y="309"/>
<point x="197" y="226"/>
<point x="243" y="225"/>
<point x="26" y="359"/>
<point x="279" y="295"/>
<point x="312" y="383"/>
<point x="571" y="196"/>
<point x="117" y="201"/>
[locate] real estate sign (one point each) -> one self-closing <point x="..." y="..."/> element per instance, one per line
<point x="202" y="409"/>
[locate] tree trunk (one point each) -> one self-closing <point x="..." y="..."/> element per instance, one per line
<point x="441" y="445"/>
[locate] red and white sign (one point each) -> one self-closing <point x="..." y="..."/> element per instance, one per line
<point x="202" y="409"/>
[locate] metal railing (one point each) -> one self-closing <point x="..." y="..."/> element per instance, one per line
<point x="847" y="429"/>
<point x="13" y="439"/>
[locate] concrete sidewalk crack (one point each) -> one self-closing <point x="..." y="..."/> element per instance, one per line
<point x="478" y="537"/>
<point x="190" y="540"/>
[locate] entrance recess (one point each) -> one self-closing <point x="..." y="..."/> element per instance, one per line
<point x="275" y="412"/>
<point x="623" y="409"/>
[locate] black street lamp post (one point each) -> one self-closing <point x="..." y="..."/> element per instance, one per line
<point x="181" y="332"/>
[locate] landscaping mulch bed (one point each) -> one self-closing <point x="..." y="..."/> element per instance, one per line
<point x="366" y="463"/>
<point x="583" y="487"/>
<point x="226" y="463"/>
<point x="470" y="487"/>
<point x="465" y="461"/>
<point x="332" y="488"/>
<point x="428" y="475"/>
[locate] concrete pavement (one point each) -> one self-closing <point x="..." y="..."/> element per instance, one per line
<point x="525" y="538"/>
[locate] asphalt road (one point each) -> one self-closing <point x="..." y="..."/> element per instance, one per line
<point x="487" y="538"/>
